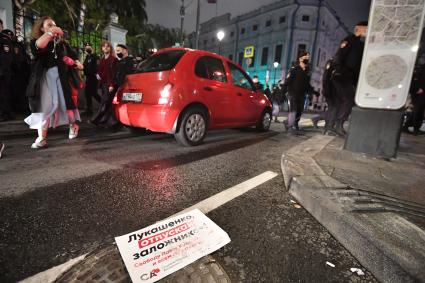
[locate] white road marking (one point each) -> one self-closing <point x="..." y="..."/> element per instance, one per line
<point x="223" y="197"/>
<point x="205" y="206"/>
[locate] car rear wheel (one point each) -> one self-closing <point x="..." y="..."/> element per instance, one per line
<point x="265" y="121"/>
<point x="193" y="127"/>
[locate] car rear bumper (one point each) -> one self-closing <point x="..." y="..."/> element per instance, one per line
<point x="157" y="118"/>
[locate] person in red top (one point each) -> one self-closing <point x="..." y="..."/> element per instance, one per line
<point x="106" y="73"/>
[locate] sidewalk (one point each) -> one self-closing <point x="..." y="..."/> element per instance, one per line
<point x="374" y="207"/>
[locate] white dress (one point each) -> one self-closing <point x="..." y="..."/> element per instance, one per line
<point x="53" y="108"/>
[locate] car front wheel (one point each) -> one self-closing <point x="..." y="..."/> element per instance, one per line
<point x="265" y="121"/>
<point x="193" y="127"/>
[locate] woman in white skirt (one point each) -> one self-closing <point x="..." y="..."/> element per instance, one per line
<point x="49" y="91"/>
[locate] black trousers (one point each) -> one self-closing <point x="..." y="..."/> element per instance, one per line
<point x="91" y="92"/>
<point x="345" y="91"/>
<point x="296" y="105"/>
<point x="418" y="101"/>
<point x="105" y="113"/>
<point x="5" y="108"/>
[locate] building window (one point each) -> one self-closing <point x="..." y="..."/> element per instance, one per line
<point x="301" y="48"/>
<point x="268" y="23"/>
<point x="232" y="33"/>
<point x="231" y="57"/>
<point x="255" y="27"/>
<point x="264" y="56"/>
<point x="205" y="42"/>
<point x="306" y="18"/>
<point x="242" y="30"/>
<point x="213" y="39"/>
<point x="282" y="19"/>
<point x="240" y="58"/>
<point x="278" y="53"/>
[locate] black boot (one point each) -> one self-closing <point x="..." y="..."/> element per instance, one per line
<point x="339" y="129"/>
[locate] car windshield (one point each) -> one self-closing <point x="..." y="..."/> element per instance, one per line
<point x="161" y="62"/>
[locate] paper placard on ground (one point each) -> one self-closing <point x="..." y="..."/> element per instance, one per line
<point x="154" y="252"/>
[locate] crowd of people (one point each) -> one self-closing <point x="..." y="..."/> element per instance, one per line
<point x="49" y="87"/>
<point x="339" y="83"/>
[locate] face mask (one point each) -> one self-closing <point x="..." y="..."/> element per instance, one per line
<point x="120" y="55"/>
<point x="89" y="51"/>
<point x="305" y="61"/>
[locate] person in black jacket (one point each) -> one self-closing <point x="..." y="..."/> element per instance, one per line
<point x="125" y="66"/>
<point x="297" y="83"/>
<point x="6" y="61"/>
<point x="348" y="60"/>
<point x="90" y="70"/>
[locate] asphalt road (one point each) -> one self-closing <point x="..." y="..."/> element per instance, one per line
<point x="63" y="201"/>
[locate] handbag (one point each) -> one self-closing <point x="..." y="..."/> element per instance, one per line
<point x="74" y="75"/>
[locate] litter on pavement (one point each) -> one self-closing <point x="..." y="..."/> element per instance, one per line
<point x="330" y="264"/>
<point x="357" y="270"/>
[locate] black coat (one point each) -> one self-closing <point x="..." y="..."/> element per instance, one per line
<point x="6" y="55"/>
<point x="297" y="82"/>
<point x="348" y="59"/>
<point x="124" y="68"/>
<point x="90" y="65"/>
<point x="43" y="60"/>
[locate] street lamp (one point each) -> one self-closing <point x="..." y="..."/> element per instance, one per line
<point x="275" y="65"/>
<point x="220" y="36"/>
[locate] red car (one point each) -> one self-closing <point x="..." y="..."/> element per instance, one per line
<point x="186" y="92"/>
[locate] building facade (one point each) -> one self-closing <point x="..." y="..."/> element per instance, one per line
<point x="278" y="32"/>
<point x="6" y="13"/>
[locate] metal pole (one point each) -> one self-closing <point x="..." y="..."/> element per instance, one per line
<point x="219" y="47"/>
<point x="198" y="13"/>
<point x="274" y="79"/>
<point x="182" y="12"/>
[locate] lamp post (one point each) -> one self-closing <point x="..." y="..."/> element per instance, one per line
<point x="220" y="36"/>
<point x="275" y="65"/>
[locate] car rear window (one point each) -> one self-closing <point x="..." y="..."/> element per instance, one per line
<point x="161" y="62"/>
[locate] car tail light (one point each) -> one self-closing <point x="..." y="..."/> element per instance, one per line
<point x="165" y="94"/>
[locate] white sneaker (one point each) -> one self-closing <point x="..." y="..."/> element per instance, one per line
<point x="39" y="143"/>
<point x="73" y="131"/>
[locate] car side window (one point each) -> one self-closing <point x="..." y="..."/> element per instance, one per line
<point x="210" y="68"/>
<point x="239" y="78"/>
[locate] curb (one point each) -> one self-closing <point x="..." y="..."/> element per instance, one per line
<point x="388" y="245"/>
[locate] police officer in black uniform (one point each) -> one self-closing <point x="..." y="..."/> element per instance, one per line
<point x="90" y="71"/>
<point x="21" y="69"/>
<point x="6" y="60"/>
<point x="297" y="83"/>
<point x="348" y="60"/>
<point x="417" y="92"/>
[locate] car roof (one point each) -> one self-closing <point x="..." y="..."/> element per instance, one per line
<point x="200" y="52"/>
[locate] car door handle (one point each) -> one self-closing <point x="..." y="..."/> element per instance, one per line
<point x="207" y="88"/>
<point x="239" y="94"/>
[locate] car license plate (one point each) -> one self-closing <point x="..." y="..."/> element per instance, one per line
<point x="132" y="97"/>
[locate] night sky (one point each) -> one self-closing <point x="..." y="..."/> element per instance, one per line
<point x="166" y="12"/>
